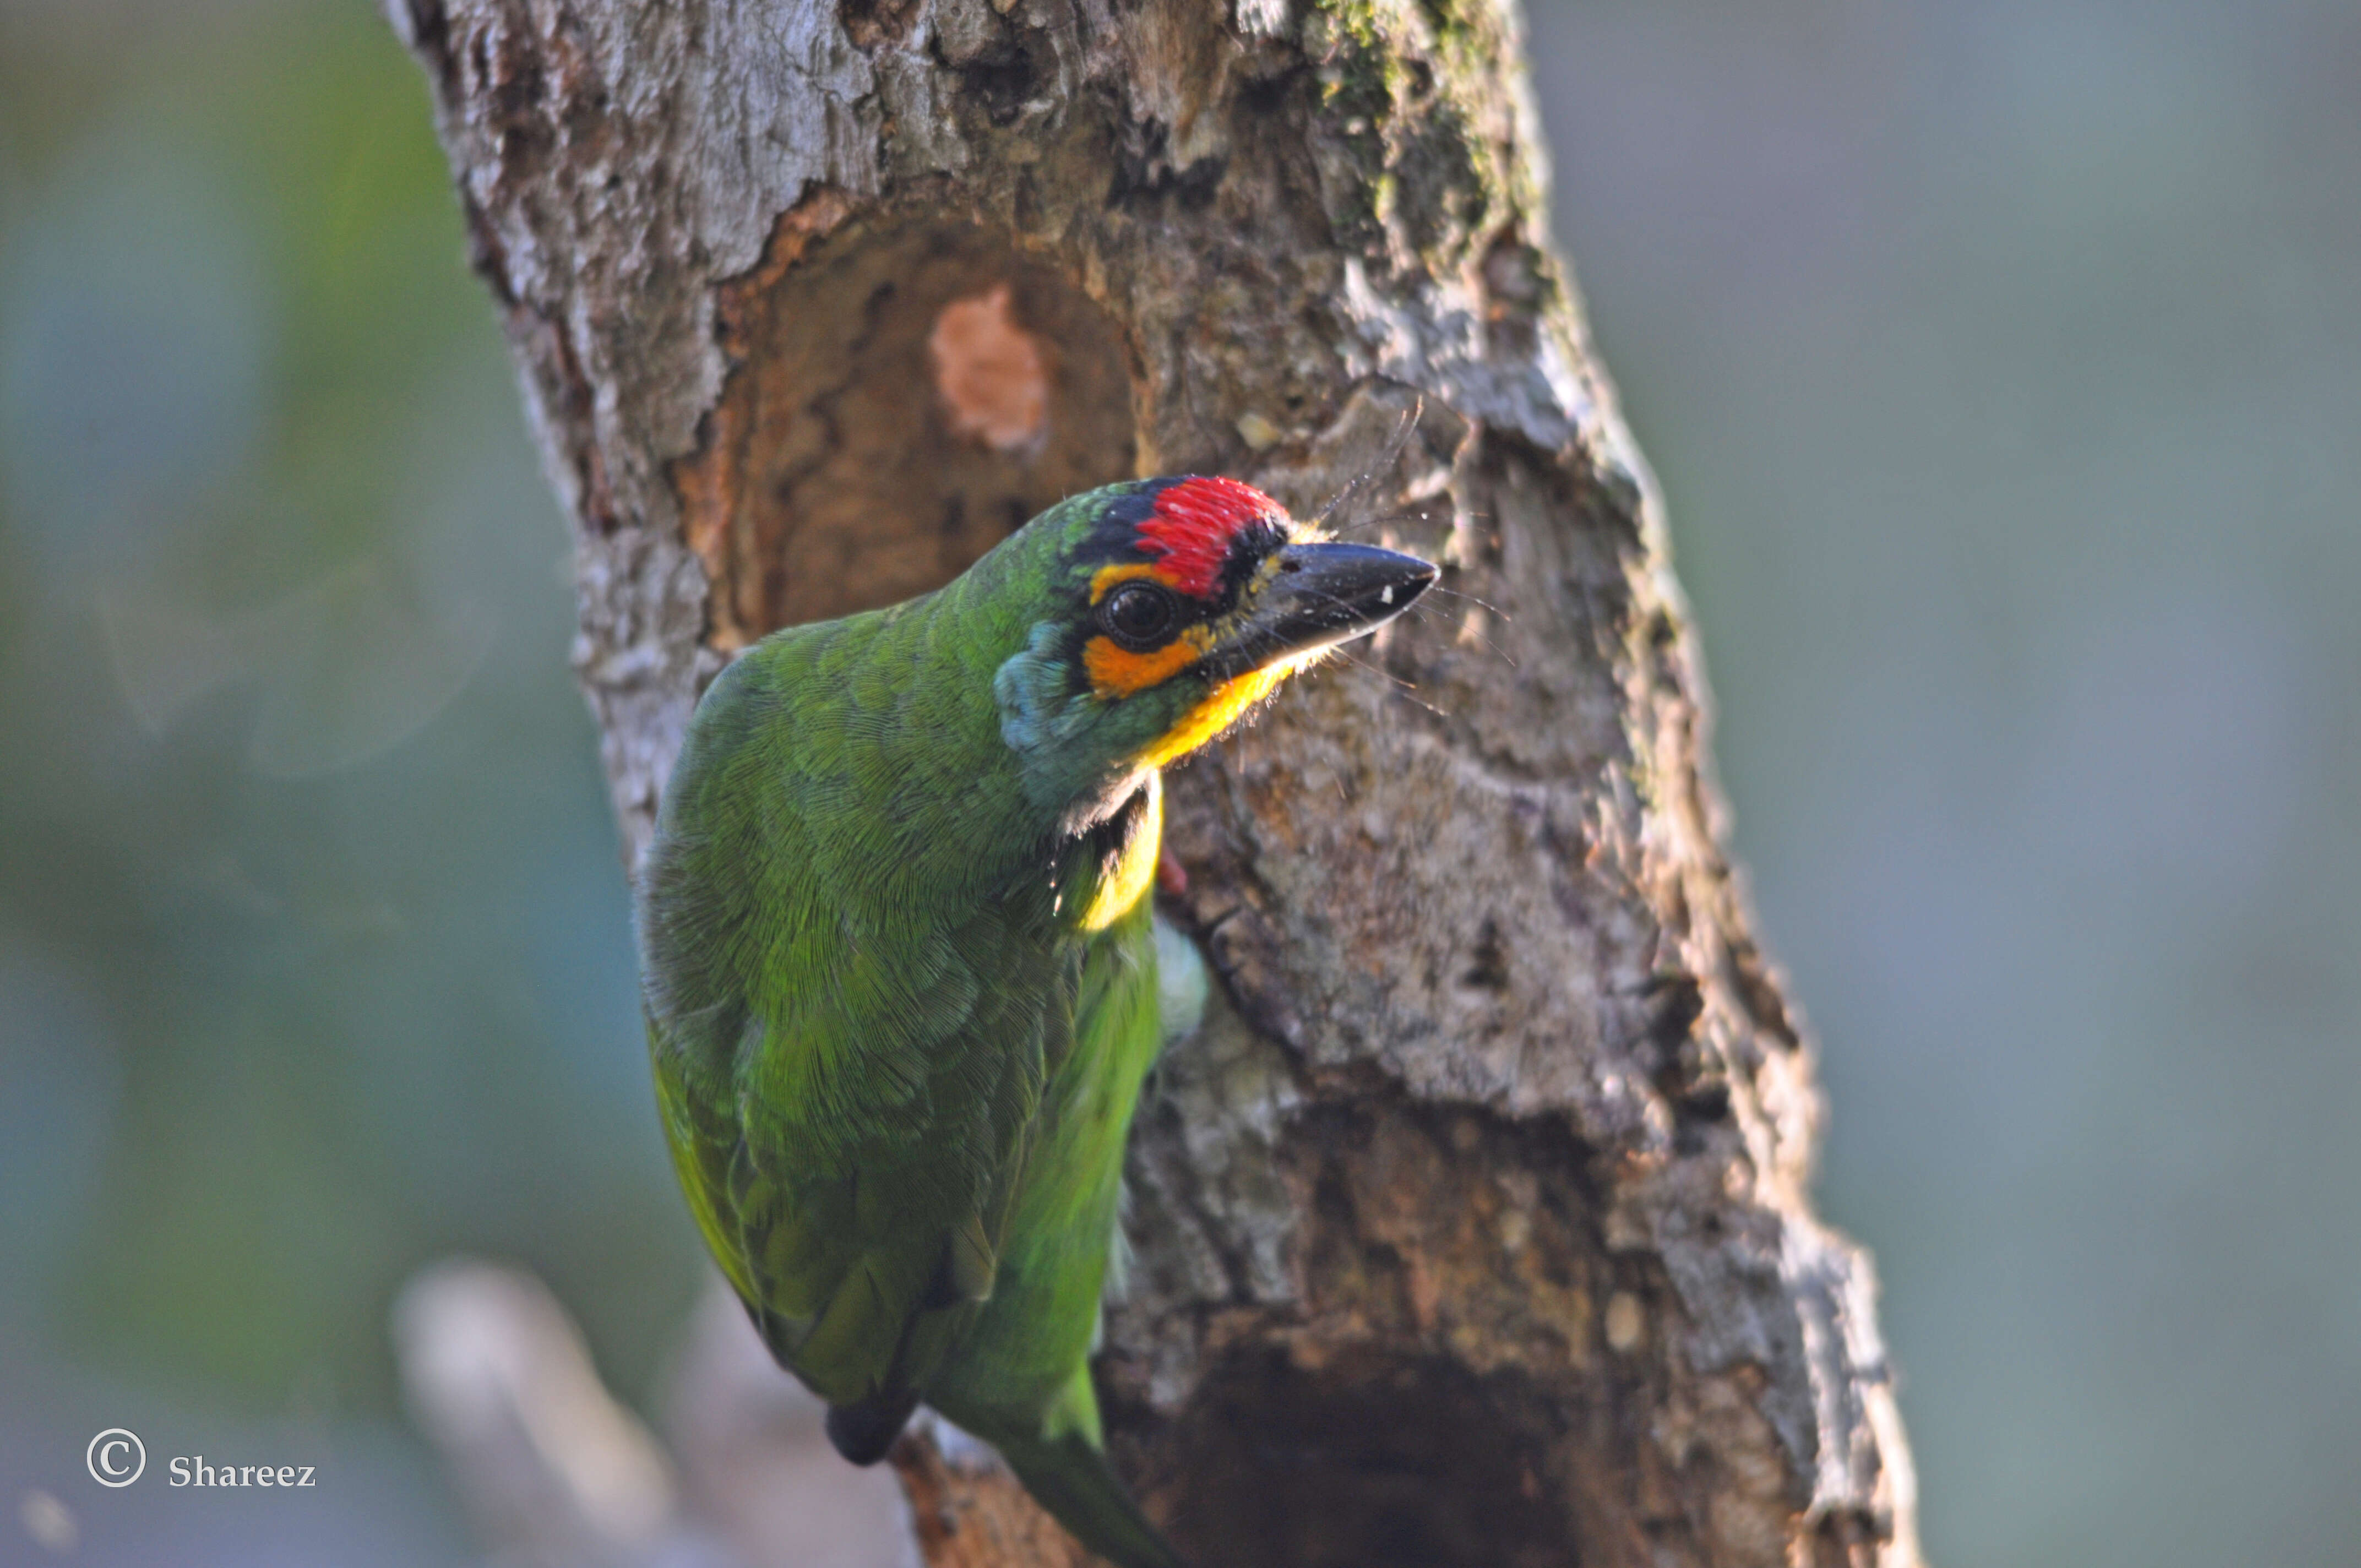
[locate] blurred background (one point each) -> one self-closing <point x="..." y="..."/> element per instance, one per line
<point x="2000" y="361"/>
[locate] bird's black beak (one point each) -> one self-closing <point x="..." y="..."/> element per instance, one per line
<point x="1309" y="597"/>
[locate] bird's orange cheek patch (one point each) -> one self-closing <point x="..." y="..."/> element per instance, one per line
<point x="1117" y="672"/>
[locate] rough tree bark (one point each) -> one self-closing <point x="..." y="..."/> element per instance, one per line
<point x="1473" y="1229"/>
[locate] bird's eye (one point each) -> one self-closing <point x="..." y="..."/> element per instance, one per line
<point x="1138" y="615"/>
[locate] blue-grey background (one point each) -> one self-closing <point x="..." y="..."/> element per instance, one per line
<point x="2000" y="361"/>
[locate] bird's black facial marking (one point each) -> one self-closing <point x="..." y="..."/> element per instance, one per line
<point x="1248" y="548"/>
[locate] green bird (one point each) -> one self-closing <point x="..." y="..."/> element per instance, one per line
<point x="899" y="972"/>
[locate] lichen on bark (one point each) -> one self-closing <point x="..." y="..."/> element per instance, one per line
<point x="1473" y="1228"/>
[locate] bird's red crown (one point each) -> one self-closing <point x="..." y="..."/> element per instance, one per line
<point x="1193" y="525"/>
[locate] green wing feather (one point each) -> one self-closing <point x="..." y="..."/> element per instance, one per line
<point x="848" y="1059"/>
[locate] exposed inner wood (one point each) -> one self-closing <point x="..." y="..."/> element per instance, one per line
<point x="989" y="373"/>
<point x="906" y="393"/>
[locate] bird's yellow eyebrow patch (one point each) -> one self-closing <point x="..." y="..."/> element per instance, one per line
<point x="1115" y="671"/>
<point x="1107" y="577"/>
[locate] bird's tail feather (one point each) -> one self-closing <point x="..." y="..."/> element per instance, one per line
<point x="1073" y="1480"/>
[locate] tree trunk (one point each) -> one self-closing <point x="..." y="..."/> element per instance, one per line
<point x="1473" y="1227"/>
